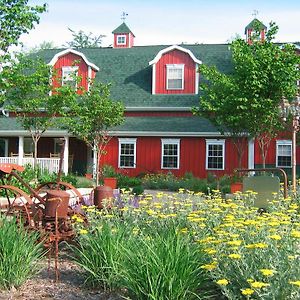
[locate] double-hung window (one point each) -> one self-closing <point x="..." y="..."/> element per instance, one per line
<point x="69" y="76"/>
<point x="121" y="40"/>
<point x="215" y="154"/>
<point x="284" y="153"/>
<point x="175" y="77"/>
<point x="127" y="153"/>
<point x="170" y="153"/>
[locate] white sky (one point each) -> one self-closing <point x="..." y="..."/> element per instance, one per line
<point x="162" y="21"/>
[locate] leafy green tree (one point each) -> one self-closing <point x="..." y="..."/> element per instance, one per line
<point x="16" y="18"/>
<point x="247" y="100"/>
<point x="85" y="40"/>
<point x="27" y="90"/>
<point x="92" y="114"/>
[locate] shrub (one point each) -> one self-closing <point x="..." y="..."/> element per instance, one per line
<point x="19" y="253"/>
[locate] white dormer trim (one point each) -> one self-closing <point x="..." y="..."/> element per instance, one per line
<point x="174" y="47"/>
<point x="67" y="51"/>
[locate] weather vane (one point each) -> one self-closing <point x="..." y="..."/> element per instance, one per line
<point x="123" y="16"/>
<point x="255" y="13"/>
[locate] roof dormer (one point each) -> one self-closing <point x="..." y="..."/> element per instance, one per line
<point x="175" y="71"/>
<point x="123" y="37"/>
<point x="255" y="29"/>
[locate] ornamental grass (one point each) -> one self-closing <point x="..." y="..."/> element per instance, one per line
<point x="184" y="245"/>
<point x="19" y="253"/>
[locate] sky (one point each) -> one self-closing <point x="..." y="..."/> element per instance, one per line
<point x="163" y="22"/>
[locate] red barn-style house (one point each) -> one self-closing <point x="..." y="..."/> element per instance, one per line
<point x="158" y="86"/>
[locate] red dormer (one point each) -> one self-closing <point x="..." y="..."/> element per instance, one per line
<point x="123" y="37"/>
<point x="69" y="62"/>
<point x="255" y="27"/>
<point x="175" y="71"/>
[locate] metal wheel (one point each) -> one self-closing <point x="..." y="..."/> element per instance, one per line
<point x="18" y="204"/>
<point x="61" y="185"/>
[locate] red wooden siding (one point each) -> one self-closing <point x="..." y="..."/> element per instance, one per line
<point x="192" y="157"/>
<point x="129" y="39"/>
<point x="68" y="60"/>
<point x="175" y="57"/>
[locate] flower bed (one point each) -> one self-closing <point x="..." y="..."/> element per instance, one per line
<point x="177" y="246"/>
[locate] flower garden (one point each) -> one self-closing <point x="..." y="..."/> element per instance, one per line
<point x="186" y="245"/>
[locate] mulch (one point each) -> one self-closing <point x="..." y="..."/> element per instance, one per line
<point x="69" y="287"/>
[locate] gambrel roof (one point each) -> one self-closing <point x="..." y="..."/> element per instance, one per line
<point x="130" y="75"/>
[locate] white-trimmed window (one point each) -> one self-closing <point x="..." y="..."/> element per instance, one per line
<point x="215" y="154"/>
<point x="69" y="76"/>
<point x="175" y="77"/>
<point x="170" y="153"/>
<point x="121" y="40"/>
<point x="284" y="153"/>
<point x="127" y="153"/>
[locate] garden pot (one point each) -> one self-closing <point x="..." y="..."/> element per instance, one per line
<point x="111" y="182"/>
<point x="102" y="192"/>
<point x="89" y="176"/>
<point x="236" y="187"/>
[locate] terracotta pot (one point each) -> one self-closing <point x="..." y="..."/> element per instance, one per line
<point x="102" y="192"/>
<point x="111" y="182"/>
<point x="89" y="176"/>
<point x="236" y="187"/>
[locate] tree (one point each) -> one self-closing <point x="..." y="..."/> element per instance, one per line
<point x="16" y="18"/>
<point x="27" y="90"/>
<point x="247" y="100"/>
<point x="90" y="118"/>
<point x="84" y="40"/>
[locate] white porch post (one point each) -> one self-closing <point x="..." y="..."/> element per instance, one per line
<point x="21" y="150"/>
<point x="66" y="156"/>
<point x="251" y="153"/>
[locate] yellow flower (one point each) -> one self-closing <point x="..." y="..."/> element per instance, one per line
<point x="222" y="282"/>
<point x="297" y="283"/>
<point x="267" y="272"/>
<point x="247" y="292"/>
<point x="258" y="284"/>
<point x="234" y="256"/>
<point x="257" y="245"/>
<point x="209" y="267"/>
<point x="234" y="243"/>
<point x="275" y="237"/>
<point x="295" y="233"/>
<point x="83" y="231"/>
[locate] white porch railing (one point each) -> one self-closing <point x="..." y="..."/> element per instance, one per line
<point x="45" y="164"/>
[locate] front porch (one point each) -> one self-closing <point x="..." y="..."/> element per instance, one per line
<point x="19" y="150"/>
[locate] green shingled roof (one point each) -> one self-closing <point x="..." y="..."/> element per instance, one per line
<point x="128" y="70"/>
<point x="255" y="23"/>
<point x="192" y="126"/>
<point x="123" y="28"/>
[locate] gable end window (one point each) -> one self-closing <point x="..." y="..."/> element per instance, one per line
<point x="121" y="40"/>
<point x="175" y="77"/>
<point x="127" y="153"/>
<point x="284" y="154"/>
<point x="69" y="76"/>
<point x="215" y="154"/>
<point x="170" y="153"/>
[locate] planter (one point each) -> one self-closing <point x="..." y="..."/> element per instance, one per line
<point x="236" y="187"/>
<point x="89" y="176"/>
<point x="111" y="182"/>
<point x="100" y="193"/>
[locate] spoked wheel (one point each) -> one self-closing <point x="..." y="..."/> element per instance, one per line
<point x="63" y="186"/>
<point x="18" y="204"/>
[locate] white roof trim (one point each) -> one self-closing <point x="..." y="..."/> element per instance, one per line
<point x="64" y="52"/>
<point x="157" y="108"/>
<point x="174" y="47"/>
<point x="165" y="134"/>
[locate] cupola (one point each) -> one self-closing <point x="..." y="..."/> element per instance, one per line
<point x="255" y="27"/>
<point x="123" y="37"/>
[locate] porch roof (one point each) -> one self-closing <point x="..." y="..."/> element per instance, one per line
<point x="132" y="126"/>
